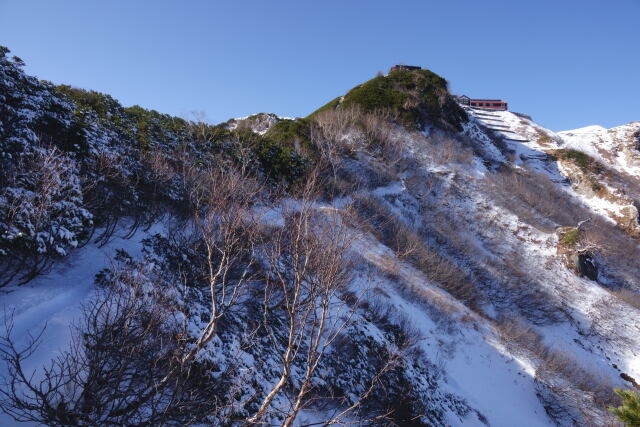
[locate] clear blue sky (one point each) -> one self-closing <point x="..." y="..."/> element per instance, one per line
<point x="568" y="63"/>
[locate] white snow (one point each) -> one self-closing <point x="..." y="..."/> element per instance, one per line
<point x="476" y="365"/>
<point x="586" y="129"/>
<point x="55" y="301"/>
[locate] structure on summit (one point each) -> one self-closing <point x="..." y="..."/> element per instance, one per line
<point x="404" y="67"/>
<point x="491" y="104"/>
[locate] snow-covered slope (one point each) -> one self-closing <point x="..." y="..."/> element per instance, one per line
<point x="499" y="262"/>
<point x="606" y="179"/>
<point x="50" y="307"/>
<point x="591" y="332"/>
<point x="616" y="147"/>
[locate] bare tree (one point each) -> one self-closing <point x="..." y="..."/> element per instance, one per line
<point x="112" y="374"/>
<point x="308" y="269"/>
<point x="227" y="226"/>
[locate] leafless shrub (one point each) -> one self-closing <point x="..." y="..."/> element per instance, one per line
<point x="446" y="150"/>
<point x="440" y="306"/>
<point x="352" y="145"/>
<point x="379" y="130"/>
<point x="515" y="332"/>
<point x="161" y="168"/>
<point x="334" y="134"/>
<point x="535" y="199"/>
<point x="345" y="130"/>
<point x="334" y="124"/>
<point x="410" y="246"/>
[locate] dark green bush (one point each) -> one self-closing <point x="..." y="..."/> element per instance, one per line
<point x="151" y="125"/>
<point x="288" y="132"/>
<point x="629" y="411"/>
<point x="582" y="160"/>
<point x="103" y="105"/>
<point x="570" y="237"/>
<point x="280" y="162"/>
<point x="275" y="152"/>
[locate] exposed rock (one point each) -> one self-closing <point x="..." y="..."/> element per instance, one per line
<point x="584" y="265"/>
<point x="629" y="219"/>
<point x="258" y="123"/>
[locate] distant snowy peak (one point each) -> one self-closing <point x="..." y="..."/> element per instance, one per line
<point x="618" y="147"/>
<point x="259" y="123"/>
<point x="624" y="133"/>
<point x="585" y="130"/>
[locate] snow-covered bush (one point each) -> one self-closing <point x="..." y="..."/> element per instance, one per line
<point x="69" y="163"/>
<point x="41" y="213"/>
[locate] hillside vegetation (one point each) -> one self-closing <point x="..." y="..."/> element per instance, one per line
<point x="389" y="260"/>
<point x="415" y="98"/>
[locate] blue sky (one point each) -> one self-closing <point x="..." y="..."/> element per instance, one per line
<point x="568" y="63"/>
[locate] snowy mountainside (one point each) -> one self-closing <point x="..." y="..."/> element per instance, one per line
<point x="600" y="164"/>
<point x="617" y="146"/>
<point x="392" y="259"/>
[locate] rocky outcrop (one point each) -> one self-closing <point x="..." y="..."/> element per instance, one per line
<point x="584" y="265"/>
<point x="575" y="255"/>
<point x="258" y="123"/>
<point x="609" y="192"/>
